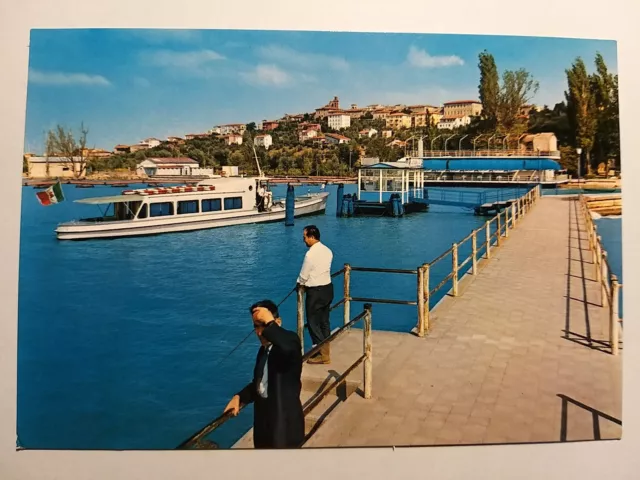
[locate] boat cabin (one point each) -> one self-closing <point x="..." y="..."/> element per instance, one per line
<point x="209" y="196"/>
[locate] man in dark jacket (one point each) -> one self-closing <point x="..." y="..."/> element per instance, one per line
<point x="278" y="421"/>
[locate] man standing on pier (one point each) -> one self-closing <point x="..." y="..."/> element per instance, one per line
<point x="278" y="420"/>
<point x="315" y="278"/>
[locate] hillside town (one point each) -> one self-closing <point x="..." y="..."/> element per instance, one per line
<point x="327" y="126"/>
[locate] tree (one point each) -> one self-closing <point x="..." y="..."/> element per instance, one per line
<point x="581" y="109"/>
<point x="62" y="144"/>
<point x="517" y="89"/>
<point x="251" y="127"/>
<point x="489" y="88"/>
<point x="607" y="138"/>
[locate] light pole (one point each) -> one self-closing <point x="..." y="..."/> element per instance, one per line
<point x="579" y="152"/>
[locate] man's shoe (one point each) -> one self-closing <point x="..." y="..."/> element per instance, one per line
<point x="322" y="358"/>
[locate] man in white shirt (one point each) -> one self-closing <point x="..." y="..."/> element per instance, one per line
<point x="315" y="278"/>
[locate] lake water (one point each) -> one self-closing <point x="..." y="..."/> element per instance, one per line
<point x="119" y="340"/>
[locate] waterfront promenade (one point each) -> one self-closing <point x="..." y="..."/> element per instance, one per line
<point x="522" y="355"/>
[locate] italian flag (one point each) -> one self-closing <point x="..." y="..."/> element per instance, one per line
<point x="51" y="195"/>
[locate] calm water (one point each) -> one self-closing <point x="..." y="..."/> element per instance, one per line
<point x="119" y="339"/>
<point x="610" y="229"/>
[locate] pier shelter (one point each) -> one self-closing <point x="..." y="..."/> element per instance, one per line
<point x="390" y="188"/>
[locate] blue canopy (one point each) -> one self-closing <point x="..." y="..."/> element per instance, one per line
<point x="511" y="163"/>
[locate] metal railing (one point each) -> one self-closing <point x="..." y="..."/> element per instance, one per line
<point x="610" y="288"/>
<point x="504" y="220"/>
<point x="489" y="153"/>
<point x="475" y="198"/>
<point x="197" y="440"/>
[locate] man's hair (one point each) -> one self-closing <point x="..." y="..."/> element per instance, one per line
<point x="268" y="304"/>
<point x="312" y="231"/>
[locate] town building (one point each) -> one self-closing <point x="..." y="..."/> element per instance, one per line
<point x="460" y="108"/>
<point x="230" y="128"/>
<point x="151" y="142"/>
<point x="368" y="132"/>
<point x="95" y="153"/>
<point x="268" y="125"/>
<point x="177" y="140"/>
<point x="308" y="134"/>
<point x="263" y="141"/>
<point x="451" y="123"/>
<point x="171" y="167"/>
<point x="53" y="167"/>
<point x="396" y="121"/>
<point x="339" y="121"/>
<point x="309" y="126"/>
<point x="233" y="139"/>
<point x="332" y="106"/>
<point x="387" y="133"/>
<point x="121" y="149"/>
<point x="335" y="139"/>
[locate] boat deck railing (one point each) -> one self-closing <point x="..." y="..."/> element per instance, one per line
<point x="611" y="290"/>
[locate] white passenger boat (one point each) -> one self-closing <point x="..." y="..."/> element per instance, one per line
<point x="212" y="203"/>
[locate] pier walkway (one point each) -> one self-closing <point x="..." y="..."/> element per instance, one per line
<point x="522" y="355"/>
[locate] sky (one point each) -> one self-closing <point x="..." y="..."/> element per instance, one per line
<point x="128" y="85"/>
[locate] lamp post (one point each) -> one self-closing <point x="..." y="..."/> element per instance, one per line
<point x="579" y="152"/>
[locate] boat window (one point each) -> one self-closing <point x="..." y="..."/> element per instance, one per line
<point x="187" y="206"/>
<point x="232" y="203"/>
<point x="211" y="205"/>
<point x="143" y="211"/>
<point x="161" y="209"/>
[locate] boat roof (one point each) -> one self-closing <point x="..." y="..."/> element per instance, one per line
<point x="110" y="199"/>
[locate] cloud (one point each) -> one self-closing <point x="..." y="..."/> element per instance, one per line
<point x="421" y="59"/>
<point x="267" y="75"/>
<point x="161" y="36"/>
<point x="306" y="60"/>
<point x="141" y="82"/>
<point x="191" y="59"/>
<point x="63" y="79"/>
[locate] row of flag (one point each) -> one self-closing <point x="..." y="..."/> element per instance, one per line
<point x="51" y="195"/>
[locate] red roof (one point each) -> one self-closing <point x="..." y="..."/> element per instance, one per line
<point x="338" y="137"/>
<point x="463" y="102"/>
<point x="181" y="160"/>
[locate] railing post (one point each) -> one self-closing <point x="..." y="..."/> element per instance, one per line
<point x="474" y="253"/>
<point x="367" y="350"/>
<point x="488" y="240"/>
<point x="425" y="284"/>
<point x="420" y="298"/>
<point x="614" y="316"/>
<point x="301" y="317"/>
<point x="595" y="245"/>
<point x="598" y="259"/>
<point x="454" y="266"/>
<point x="499" y="229"/>
<point x="605" y="278"/>
<point x="506" y="222"/>
<point x="347" y="293"/>
<point x="513" y="215"/>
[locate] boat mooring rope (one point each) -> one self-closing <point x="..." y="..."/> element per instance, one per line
<point x="251" y="332"/>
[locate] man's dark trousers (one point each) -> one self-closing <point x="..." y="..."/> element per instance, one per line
<point x="317" y="305"/>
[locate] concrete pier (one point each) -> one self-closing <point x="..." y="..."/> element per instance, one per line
<point x="521" y="355"/>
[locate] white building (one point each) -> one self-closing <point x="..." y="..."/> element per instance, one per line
<point x="151" y="142"/>
<point x="339" y="121"/>
<point x="451" y="123"/>
<point x="368" y="132"/>
<point x="307" y="135"/>
<point x="264" y="141"/>
<point x="335" y="139"/>
<point x="230" y="128"/>
<point x="169" y="167"/>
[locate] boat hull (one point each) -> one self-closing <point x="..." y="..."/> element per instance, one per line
<point x="312" y="205"/>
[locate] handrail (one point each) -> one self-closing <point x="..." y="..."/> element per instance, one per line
<point x="366" y="358"/>
<point x="490" y="152"/>
<point x="609" y="286"/>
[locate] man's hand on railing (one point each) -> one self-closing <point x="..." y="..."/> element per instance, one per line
<point x="233" y="406"/>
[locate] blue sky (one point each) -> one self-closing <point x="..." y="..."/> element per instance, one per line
<point x="127" y="85"/>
